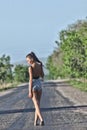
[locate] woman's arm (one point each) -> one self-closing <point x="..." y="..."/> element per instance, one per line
<point x="30" y="82"/>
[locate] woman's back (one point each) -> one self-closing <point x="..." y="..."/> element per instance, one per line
<point x="37" y="70"/>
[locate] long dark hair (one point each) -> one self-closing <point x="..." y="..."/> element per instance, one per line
<point x="32" y="55"/>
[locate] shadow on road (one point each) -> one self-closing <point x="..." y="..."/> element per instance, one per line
<point x="43" y="109"/>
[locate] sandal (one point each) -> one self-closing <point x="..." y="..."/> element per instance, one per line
<point x="41" y="123"/>
<point x="35" y="123"/>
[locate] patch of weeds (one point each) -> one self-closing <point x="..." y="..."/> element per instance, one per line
<point x="78" y="84"/>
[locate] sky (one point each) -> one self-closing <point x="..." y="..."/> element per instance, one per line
<point x="34" y="25"/>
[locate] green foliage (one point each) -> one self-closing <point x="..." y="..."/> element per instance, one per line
<point x="78" y="84"/>
<point x="70" y="57"/>
<point x="52" y="69"/>
<point x="9" y="74"/>
<point x="54" y="65"/>
<point x="74" y="47"/>
<point x="21" y="73"/>
<point x="5" y="69"/>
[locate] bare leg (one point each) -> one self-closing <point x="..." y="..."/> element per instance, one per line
<point x="36" y="118"/>
<point x="37" y="106"/>
<point x="38" y="96"/>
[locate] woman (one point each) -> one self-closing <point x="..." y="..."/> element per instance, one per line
<point x="35" y="89"/>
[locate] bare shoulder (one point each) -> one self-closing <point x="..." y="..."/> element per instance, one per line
<point x="30" y="68"/>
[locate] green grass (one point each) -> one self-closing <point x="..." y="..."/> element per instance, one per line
<point x="78" y="84"/>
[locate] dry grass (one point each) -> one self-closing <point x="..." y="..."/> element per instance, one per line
<point x="6" y="86"/>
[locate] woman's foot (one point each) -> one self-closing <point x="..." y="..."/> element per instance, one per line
<point x="41" y="123"/>
<point x="35" y="123"/>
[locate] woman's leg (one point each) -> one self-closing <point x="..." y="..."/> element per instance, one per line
<point x="36" y="118"/>
<point x="37" y="106"/>
<point x="36" y="115"/>
<point x="38" y="96"/>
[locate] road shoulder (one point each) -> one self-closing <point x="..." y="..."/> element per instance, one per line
<point x="78" y="97"/>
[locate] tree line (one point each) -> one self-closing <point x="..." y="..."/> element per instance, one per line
<point x="10" y="73"/>
<point x="69" y="58"/>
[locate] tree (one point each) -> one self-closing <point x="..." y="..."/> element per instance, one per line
<point x="21" y="73"/>
<point x="5" y="69"/>
<point x="74" y="47"/>
<point x="70" y="57"/>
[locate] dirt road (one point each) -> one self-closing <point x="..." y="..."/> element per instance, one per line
<point x="61" y="110"/>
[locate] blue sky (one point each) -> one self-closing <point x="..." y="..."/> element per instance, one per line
<point x="34" y="25"/>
